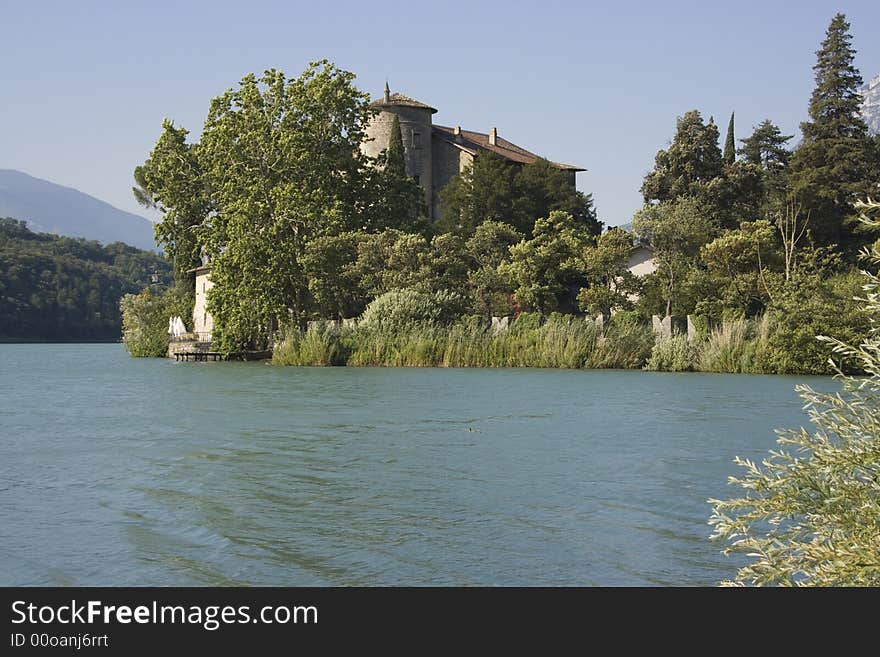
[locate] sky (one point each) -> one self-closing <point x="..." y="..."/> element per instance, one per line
<point x="84" y="86"/>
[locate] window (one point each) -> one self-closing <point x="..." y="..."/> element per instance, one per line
<point x="416" y="140"/>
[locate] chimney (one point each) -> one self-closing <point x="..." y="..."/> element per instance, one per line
<point x="493" y="136"/>
<point x="457" y="130"/>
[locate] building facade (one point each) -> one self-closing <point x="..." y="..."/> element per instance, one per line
<point x="434" y="154"/>
<point x="203" y="323"/>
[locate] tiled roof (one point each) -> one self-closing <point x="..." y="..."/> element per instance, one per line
<point x="474" y="141"/>
<point x="400" y="99"/>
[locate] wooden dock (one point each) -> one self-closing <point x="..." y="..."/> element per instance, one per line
<point x="198" y="356"/>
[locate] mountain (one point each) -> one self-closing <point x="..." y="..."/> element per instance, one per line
<point x="52" y="208"/>
<point x="871" y="105"/>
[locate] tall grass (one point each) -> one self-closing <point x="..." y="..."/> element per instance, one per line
<point x="560" y="342"/>
<point x="736" y="347"/>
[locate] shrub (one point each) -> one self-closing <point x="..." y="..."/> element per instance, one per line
<point x="810" y="515"/>
<point x="400" y="309"/>
<point x="145" y="324"/>
<point x="805" y="309"/>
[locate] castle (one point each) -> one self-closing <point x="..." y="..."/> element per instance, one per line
<point x="434" y="154"/>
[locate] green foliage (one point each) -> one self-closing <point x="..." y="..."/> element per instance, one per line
<point x="145" y="324"/>
<point x="330" y="265"/>
<point x="484" y="191"/>
<point x="692" y="161"/>
<point x="810" y="513"/>
<point x="542" y="188"/>
<point x="676" y="230"/>
<point x="488" y="248"/>
<point x="736" y="263"/>
<point x="546" y="270"/>
<point x="494" y="189"/>
<point x="608" y="283"/>
<point x="172" y="180"/>
<point x="810" y="306"/>
<point x="766" y="147"/>
<point x="400" y="309"/>
<point x="67" y="289"/>
<point x="395" y="162"/>
<point x="322" y="344"/>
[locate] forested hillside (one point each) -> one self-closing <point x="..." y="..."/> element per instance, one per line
<point x="67" y="289"/>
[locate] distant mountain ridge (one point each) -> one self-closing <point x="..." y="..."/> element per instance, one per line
<point x="871" y="105"/>
<point x="52" y="208"/>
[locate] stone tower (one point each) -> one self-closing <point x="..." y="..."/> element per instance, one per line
<point x="415" y="128"/>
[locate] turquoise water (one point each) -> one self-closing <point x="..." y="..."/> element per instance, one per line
<point x="120" y="471"/>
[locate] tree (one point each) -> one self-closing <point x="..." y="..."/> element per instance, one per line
<point x="488" y="248"/>
<point x="282" y="160"/>
<point x="690" y="162"/>
<point x="484" y="191"/>
<point x="172" y="181"/>
<point x="494" y="189"/>
<point x="545" y="270"/>
<point x="676" y="231"/>
<point x="329" y="264"/>
<point x="540" y="188"/>
<point x="766" y="150"/>
<point x="390" y="260"/>
<point x="729" y="156"/>
<point x="830" y="167"/>
<point x="733" y="197"/>
<point x="766" y="147"/>
<point x="811" y="511"/>
<point x="792" y="224"/>
<point x="608" y="282"/>
<point x="395" y="162"/>
<point x="737" y="262"/>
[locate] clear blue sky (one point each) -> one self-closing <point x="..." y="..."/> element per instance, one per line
<point x="85" y="84"/>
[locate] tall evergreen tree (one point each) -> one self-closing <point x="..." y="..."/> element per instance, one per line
<point x="766" y="150"/>
<point x="766" y="147"/>
<point x="729" y="156"/>
<point x="688" y="164"/>
<point x="395" y="162"/>
<point x="830" y="168"/>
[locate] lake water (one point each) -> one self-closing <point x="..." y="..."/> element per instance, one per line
<point x="121" y="471"/>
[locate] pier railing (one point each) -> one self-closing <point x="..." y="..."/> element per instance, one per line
<point x="192" y="336"/>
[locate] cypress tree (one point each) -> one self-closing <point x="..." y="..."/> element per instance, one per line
<point x="395" y="163"/>
<point x="729" y="156"/>
<point x="830" y="168"/>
